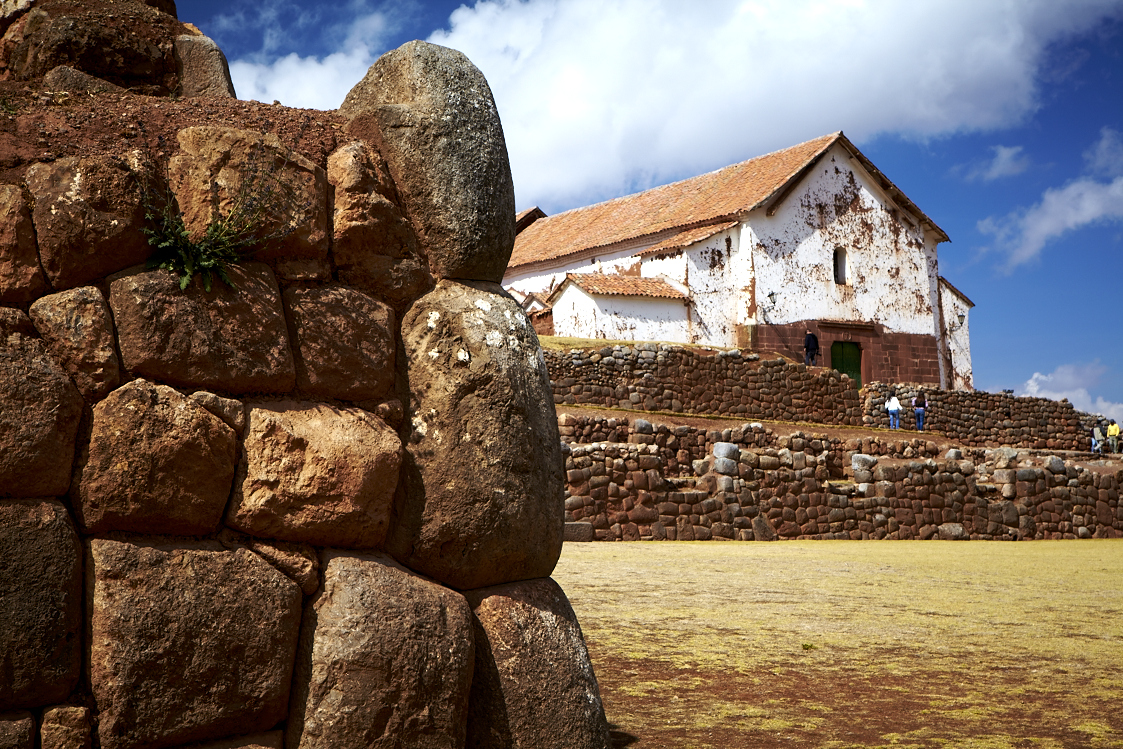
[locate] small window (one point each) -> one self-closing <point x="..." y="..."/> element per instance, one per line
<point x="840" y="266"/>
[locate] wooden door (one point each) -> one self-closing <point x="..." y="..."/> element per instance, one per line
<point x="846" y="357"/>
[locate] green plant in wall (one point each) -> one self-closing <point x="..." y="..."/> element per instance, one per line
<point x="262" y="199"/>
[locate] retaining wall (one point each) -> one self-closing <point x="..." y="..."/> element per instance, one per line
<point x="625" y="491"/>
<point x="661" y="377"/>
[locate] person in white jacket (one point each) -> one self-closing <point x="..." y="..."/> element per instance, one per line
<point x="893" y="406"/>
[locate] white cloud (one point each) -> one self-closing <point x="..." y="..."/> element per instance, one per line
<point x="1008" y="161"/>
<point x="1023" y="234"/>
<point x="302" y="81"/>
<point x="355" y="34"/>
<point x="1073" y="381"/>
<point x="1105" y="158"/>
<point x="599" y="98"/>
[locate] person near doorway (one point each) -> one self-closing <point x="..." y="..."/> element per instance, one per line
<point x="893" y="406"/>
<point x="919" y="406"/>
<point x="1113" y="436"/>
<point x="810" y="348"/>
<point x="1097" y="440"/>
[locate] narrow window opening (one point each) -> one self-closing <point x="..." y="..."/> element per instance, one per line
<point x="840" y="266"/>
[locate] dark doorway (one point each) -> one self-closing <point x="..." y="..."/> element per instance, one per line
<point x="846" y="357"/>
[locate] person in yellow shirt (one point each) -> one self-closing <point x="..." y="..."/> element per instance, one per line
<point x="1113" y="436"/>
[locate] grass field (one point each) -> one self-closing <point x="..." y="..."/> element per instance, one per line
<point x="854" y="644"/>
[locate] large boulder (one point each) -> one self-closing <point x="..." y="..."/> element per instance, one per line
<point x="224" y="172"/>
<point x="483" y="501"/>
<point x="187" y="642"/>
<point x="21" y="279"/>
<point x="433" y="117"/>
<point x="534" y="685"/>
<point x="88" y="217"/>
<point x="343" y="341"/>
<point x="385" y="660"/>
<point x="78" y="331"/>
<point x="202" y="68"/>
<point x="316" y="473"/>
<point x="39" y="413"/>
<point x="40" y="603"/>
<point x="232" y="340"/>
<point x="157" y="462"/>
<point x="128" y="44"/>
<point x="373" y="245"/>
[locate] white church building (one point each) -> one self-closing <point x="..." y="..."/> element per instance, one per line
<point x="813" y="237"/>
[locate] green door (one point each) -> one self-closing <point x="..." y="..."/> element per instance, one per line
<point x="846" y="357"/>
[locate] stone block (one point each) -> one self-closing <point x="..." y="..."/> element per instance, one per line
<point x="215" y="169"/>
<point x="21" y="279"/>
<point x="88" y="218"/>
<point x="39" y="414"/>
<point x="483" y="501"/>
<point x="40" y="604"/>
<point x="343" y="340"/>
<point x="579" y="532"/>
<point x="188" y="642"/>
<point x="78" y="330"/>
<point x="530" y="654"/>
<point x="202" y="68"/>
<point x="66" y="727"/>
<point x="157" y="463"/>
<point x="386" y="659"/>
<point x="315" y="473"/>
<point x="230" y="340"/>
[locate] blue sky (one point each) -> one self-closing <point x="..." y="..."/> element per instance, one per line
<point x="1001" y="119"/>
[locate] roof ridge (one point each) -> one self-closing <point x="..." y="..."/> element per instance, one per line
<point x="629" y="196"/>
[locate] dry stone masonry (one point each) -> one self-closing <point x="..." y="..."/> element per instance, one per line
<point x="751" y="485"/>
<point x="317" y="507"/>
<point x="676" y="379"/>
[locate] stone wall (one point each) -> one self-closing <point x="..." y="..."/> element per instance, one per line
<point x="251" y="514"/>
<point x="623" y="492"/>
<point x="660" y="377"/>
<point x="980" y="418"/>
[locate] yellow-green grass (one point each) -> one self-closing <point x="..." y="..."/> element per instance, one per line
<point x="854" y="644"/>
<point x="562" y="343"/>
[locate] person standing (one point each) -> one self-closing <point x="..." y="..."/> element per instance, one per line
<point x="893" y="406"/>
<point x="1113" y="436"/>
<point x="810" y="348"/>
<point x="919" y="406"/>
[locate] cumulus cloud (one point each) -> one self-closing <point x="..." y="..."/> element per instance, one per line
<point x="600" y="98"/>
<point x="1008" y="161"/>
<point x="1022" y="234"/>
<point x="1073" y="381"/>
<point x="355" y="34"/>
<point x="297" y="81"/>
<point x="1105" y="158"/>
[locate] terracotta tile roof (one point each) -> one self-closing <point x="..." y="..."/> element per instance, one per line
<point x="687" y="237"/>
<point x="606" y="285"/>
<point x="708" y="198"/>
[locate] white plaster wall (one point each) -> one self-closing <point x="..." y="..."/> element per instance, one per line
<point x="712" y="271"/>
<point x="891" y="274"/>
<point x="545" y="281"/>
<point x="580" y="315"/>
<point x="957" y="339"/>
